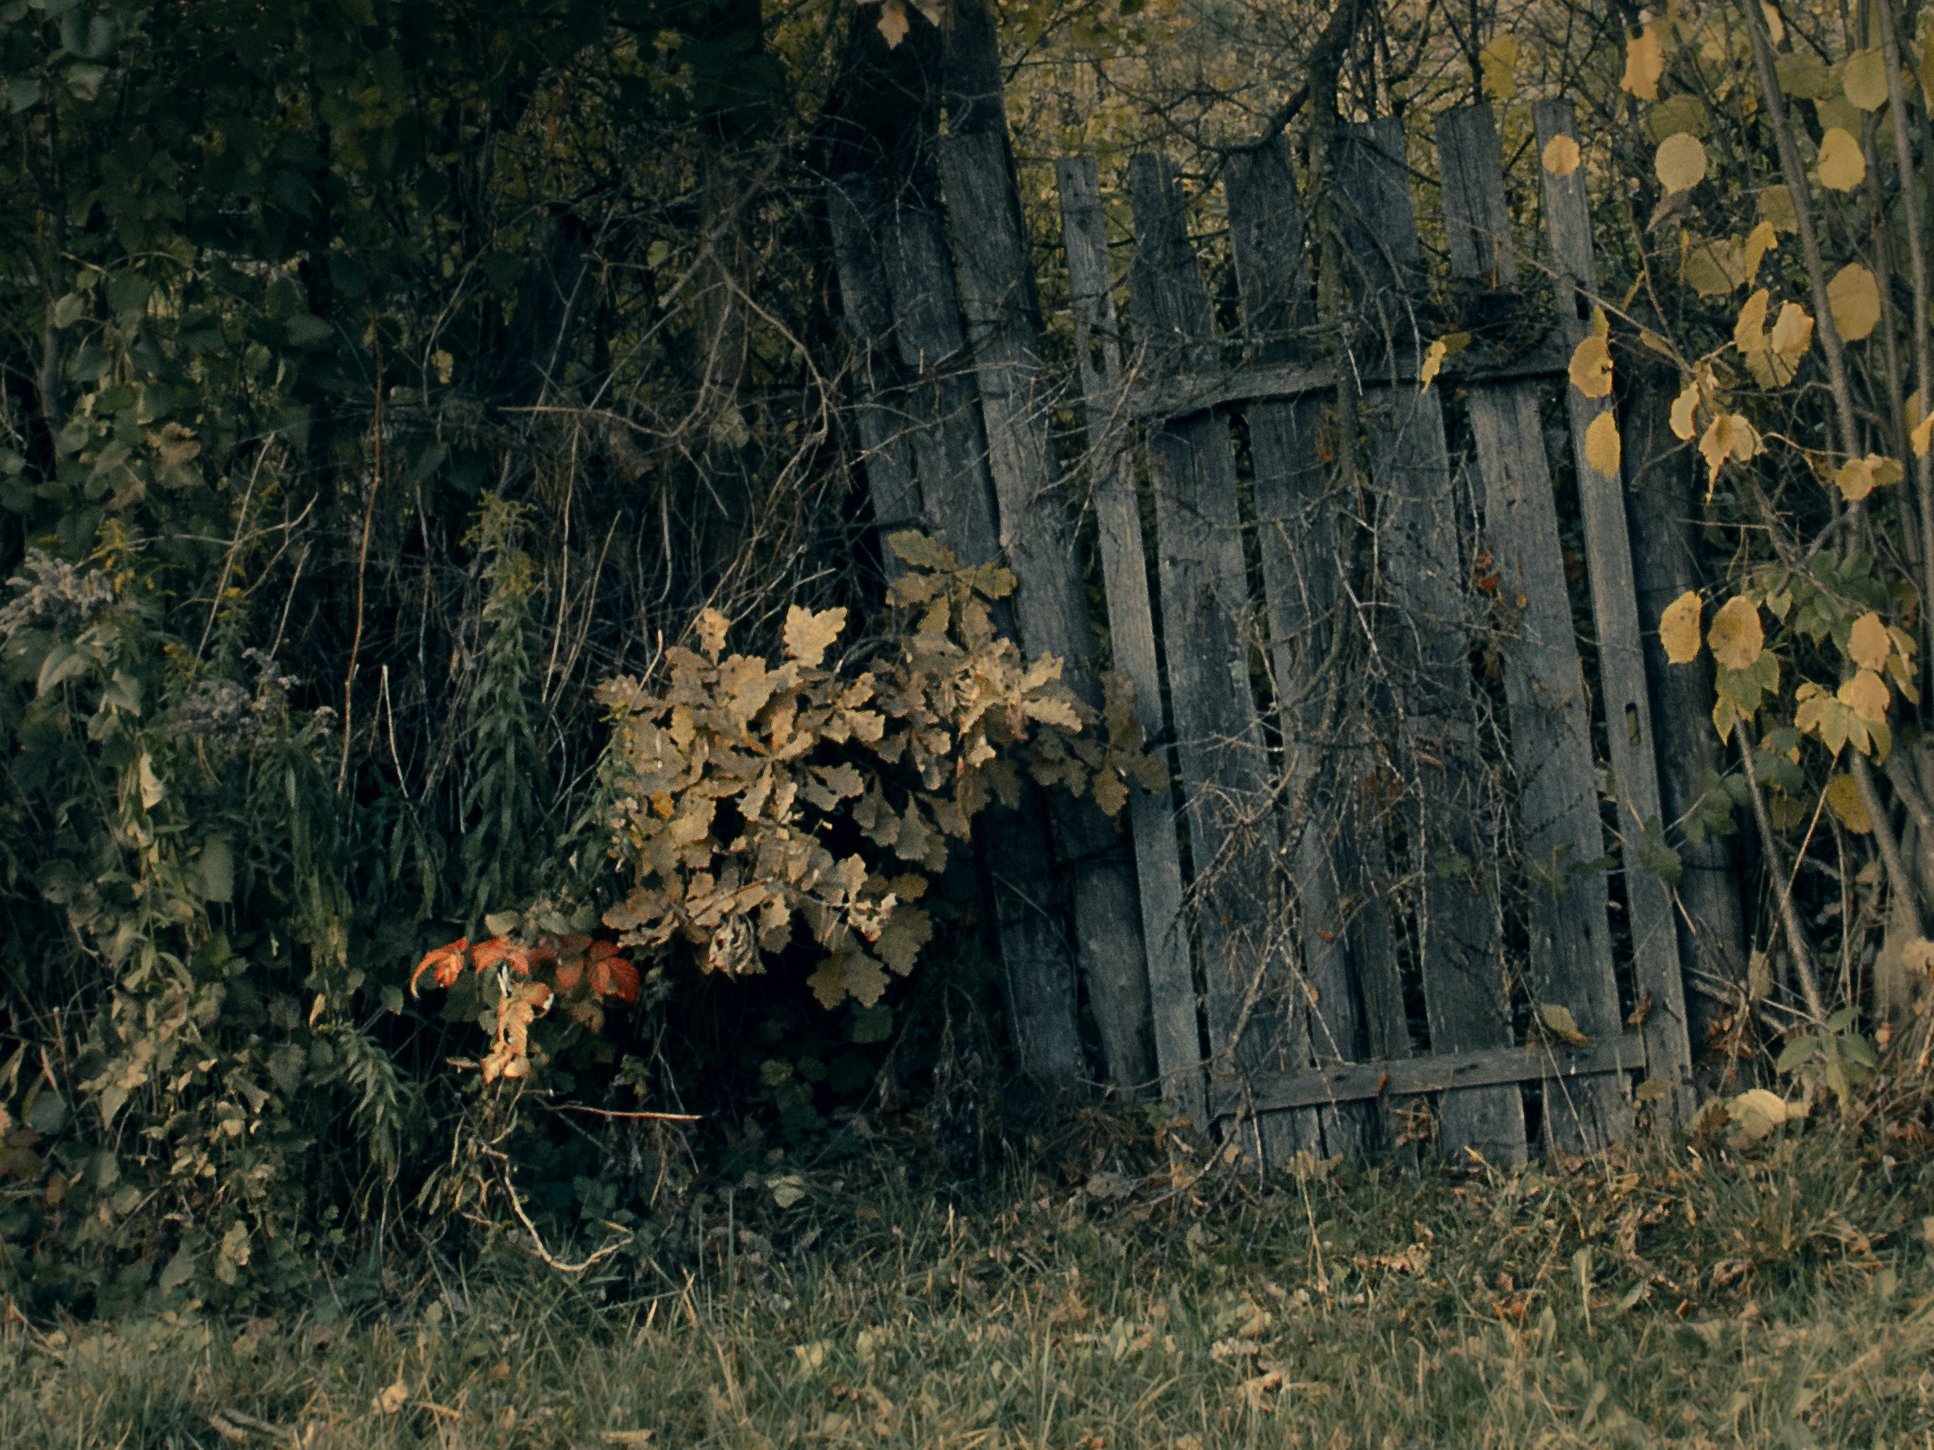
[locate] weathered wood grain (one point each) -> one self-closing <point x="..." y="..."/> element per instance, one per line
<point x="866" y="308"/>
<point x="1426" y="640"/>
<point x="1175" y="397"/>
<point x="1560" y="834"/>
<point x="1131" y="629"/>
<point x="1248" y="966"/>
<point x="1300" y="552"/>
<point x="994" y="270"/>
<point x="949" y="452"/>
<point x="1626" y="699"/>
<point x="1452" y="1071"/>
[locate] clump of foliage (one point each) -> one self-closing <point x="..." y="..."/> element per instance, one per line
<point x="1789" y="287"/>
<point x="753" y="807"/>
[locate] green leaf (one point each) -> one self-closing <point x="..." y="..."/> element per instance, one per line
<point x="872" y="1024"/>
<point x="215" y="868"/>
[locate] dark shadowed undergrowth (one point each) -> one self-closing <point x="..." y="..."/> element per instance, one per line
<point x="1698" y="1295"/>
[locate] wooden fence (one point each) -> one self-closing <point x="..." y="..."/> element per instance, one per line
<point x="1416" y="758"/>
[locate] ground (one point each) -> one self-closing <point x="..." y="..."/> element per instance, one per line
<point x="1706" y="1295"/>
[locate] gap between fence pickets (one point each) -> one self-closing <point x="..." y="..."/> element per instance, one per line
<point x="1440" y="1072"/>
<point x="1176" y="399"/>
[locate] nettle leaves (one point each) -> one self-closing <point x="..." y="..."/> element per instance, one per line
<point x="761" y="805"/>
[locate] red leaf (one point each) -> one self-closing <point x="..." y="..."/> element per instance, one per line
<point x="445" y="963"/>
<point x="612" y="975"/>
<point x="501" y="949"/>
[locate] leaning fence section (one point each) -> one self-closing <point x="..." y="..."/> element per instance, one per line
<point x="1378" y="605"/>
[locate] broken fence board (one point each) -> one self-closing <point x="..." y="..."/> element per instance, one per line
<point x="994" y="273"/>
<point x="1247" y="964"/>
<point x="1447" y="1072"/>
<point x="950" y="458"/>
<point x="1560" y="834"/>
<point x="1656" y="965"/>
<point x="1461" y="962"/>
<point x="1297" y="543"/>
<point x="1131" y="627"/>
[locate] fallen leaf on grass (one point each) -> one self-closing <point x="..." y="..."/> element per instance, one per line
<point x="630" y="1438"/>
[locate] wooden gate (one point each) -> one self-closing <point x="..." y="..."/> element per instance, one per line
<point x="1378" y="602"/>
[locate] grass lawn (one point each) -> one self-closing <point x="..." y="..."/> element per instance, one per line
<point x="1783" y="1296"/>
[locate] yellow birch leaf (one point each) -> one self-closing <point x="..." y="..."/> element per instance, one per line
<point x="1843" y="165"/>
<point x="1602" y="446"/>
<point x="1844" y="800"/>
<point x="1561" y="155"/>
<point x="1680" y="161"/>
<point x="1591" y="367"/>
<point x="1763" y="238"/>
<point x="1434" y="356"/>
<point x="1644" y="64"/>
<point x="1922" y="435"/>
<point x="1711" y="265"/>
<point x="1863" y="79"/>
<point x="1677" y="113"/>
<point x="1866" y="695"/>
<point x="1728" y="436"/>
<point x="1498" y="66"/>
<point x="1749" y="330"/>
<point x="1792" y="331"/>
<point x="1858" y="477"/>
<point x="1868" y="643"/>
<point x="1803" y="75"/>
<point x="1684" y="408"/>
<point x="1679" y="628"/>
<point x="1775" y="22"/>
<point x="1776" y="207"/>
<point x="1735" y="637"/>
<point x="1854" y="299"/>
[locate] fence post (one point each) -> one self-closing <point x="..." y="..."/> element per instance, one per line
<point x="894" y="272"/>
<point x="1559" y="830"/>
<point x="1456" y="883"/>
<point x="1621" y="657"/>
<point x="1300" y="552"/>
<point x="994" y="271"/>
<point x="1248" y="965"/>
<point x="1131" y="629"/>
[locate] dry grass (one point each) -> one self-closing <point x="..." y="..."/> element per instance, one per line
<point x="1785" y="1297"/>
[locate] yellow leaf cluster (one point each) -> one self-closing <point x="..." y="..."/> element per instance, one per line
<point x="734" y="777"/>
<point x="1858" y="477"/>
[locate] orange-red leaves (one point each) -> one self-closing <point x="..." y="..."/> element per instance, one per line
<point x="445" y="963"/>
<point x="611" y="974"/>
<point x="501" y="950"/>
<point x="595" y="963"/>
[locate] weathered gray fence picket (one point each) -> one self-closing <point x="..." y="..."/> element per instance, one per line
<point x="1318" y="883"/>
